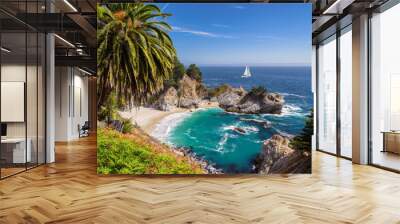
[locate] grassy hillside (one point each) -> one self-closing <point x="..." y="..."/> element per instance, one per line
<point x="137" y="153"/>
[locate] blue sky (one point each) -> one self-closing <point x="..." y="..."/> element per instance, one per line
<point x="241" y="34"/>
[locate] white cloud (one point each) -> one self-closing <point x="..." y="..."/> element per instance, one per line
<point x="165" y="7"/>
<point x="200" y="33"/>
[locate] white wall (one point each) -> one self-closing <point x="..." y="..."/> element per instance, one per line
<point x="71" y="87"/>
<point x="12" y="73"/>
<point x="33" y="126"/>
<point x="62" y="81"/>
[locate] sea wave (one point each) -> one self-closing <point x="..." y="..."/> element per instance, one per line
<point x="167" y="124"/>
<point x="289" y="110"/>
<point x="251" y="129"/>
<point x="292" y="94"/>
<point x="283" y="133"/>
<point x="222" y="142"/>
<point x="247" y="129"/>
<point x="188" y="133"/>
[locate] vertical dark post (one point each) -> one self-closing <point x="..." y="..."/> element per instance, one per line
<point x="45" y="89"/>
<point x="369" y="96"/>
<point x="26" y="86"/>
<point x="338" y="76"/>
<point x="316" y="114"/>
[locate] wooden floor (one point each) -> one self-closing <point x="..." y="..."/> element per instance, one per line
<point x="69" y="191"/>
<point x="387" y="159"/>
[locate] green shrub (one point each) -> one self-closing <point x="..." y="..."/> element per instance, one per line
<point x="194" y="72"/>
<point x="219" y="90"/>
<point x="127" y="126"/>
<point x="258" y="91"/>
<point x="108" y="111"/>
<point x="177" y="74"/>
<point x="303" y="140"/>
<point x="117" y="154"/>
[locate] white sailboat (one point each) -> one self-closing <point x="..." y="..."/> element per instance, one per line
<point x="247" y="73"/>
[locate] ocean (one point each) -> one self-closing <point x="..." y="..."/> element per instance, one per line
<point x="210" y="132"/>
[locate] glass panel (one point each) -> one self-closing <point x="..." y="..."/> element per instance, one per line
<point x="32" y="87"/>
<point x="385" y="92"/>
<point x="346" y="93"/>
<point x="13" y="86"/>
<point x="23" y="84"/>
<point x="327" y="95"/>
<point x="31" y="97"/>
<point x="41" y="99"/>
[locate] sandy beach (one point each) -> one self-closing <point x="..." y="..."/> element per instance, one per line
<point x="147" y="118"/>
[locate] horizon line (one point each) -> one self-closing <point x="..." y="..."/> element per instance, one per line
<point x="255" y="65"/>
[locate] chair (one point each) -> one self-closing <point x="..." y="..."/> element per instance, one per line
<point x="84" y="130"/>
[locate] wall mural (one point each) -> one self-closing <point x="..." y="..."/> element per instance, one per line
<point x="204" y="88"/>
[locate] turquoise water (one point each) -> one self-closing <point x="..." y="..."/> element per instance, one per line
<point x="210" y="132"/>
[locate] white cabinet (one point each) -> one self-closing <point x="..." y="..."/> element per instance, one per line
<point x="19" y="155"/>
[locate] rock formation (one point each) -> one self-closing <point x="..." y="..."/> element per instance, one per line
<point x="168" y="100"/>
<point x="237" y="100"/>
<point x="277" y="157"/>
<point x="187" y="92"/>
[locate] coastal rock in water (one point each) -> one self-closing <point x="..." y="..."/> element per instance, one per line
<point x="265" y="124"/>
<point x="277" y="157"/>
<point x="228" y="96"/>
<point x="239" y="130"/>
<point x="168" y="100"/>
<point x="188" y="97"/>
<point x="270" y="103"/>
<point x="240" y="91"/>
<point x="228" y="100"/>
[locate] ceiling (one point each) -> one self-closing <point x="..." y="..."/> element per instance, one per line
<point x="331" y="15"/>
<point x="74" y="22"/>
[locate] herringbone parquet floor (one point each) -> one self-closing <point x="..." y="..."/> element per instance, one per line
<point x="69" y="191"/>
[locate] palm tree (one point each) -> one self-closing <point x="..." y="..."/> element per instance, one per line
<point x="134" y="53"/>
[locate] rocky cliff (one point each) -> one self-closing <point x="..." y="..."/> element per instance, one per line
<point x="187" y="91"/>
<point x="239" y="101"/>
<point x="188" y="94"/>
<point x="168" y="100"/>
<point x="277" y="157"/>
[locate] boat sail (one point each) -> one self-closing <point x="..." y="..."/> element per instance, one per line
<point x="247" y="73"/>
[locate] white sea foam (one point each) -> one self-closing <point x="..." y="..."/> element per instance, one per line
<point x="167" y="124"/>
<point x="250" y="129"/>
<point x="228" y="127"/>
<point x="222" y="142"/>
<point x="290" y="110"/>
<point x="284" y="133"/>
<point x="188" y="133"/>
<point x="292" y="94"/>
<point x="247" y="129"/>
<point x="234" y="113"/>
